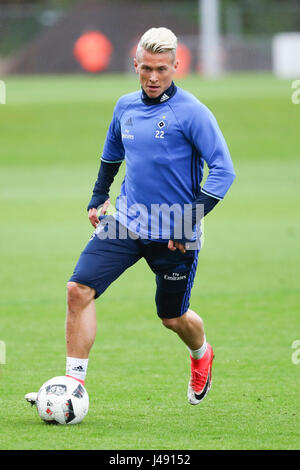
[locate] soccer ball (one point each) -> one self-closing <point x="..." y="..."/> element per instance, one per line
<point x="62" y="400"/>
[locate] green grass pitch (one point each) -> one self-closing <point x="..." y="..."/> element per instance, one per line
<point x="52" y="131"/>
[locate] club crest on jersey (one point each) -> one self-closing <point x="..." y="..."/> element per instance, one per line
<point x="160" y="128"/>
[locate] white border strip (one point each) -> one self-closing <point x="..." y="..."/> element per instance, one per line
<point x="211" y="195"/>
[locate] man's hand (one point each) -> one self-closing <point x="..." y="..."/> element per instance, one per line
<point x="172" y="245"/>
<point x="93" y="213"/>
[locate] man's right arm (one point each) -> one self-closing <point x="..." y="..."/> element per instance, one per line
<point x="106" y="175"/>
<point x="112" y="157"/>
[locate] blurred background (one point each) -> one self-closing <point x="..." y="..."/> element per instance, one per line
<point x="42" y="36"/>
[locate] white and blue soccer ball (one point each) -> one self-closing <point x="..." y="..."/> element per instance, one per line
<point x="62" y="400"/>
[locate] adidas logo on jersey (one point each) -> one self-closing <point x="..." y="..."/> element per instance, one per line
<point x="164" y="97"/>
<point x="128" y="122"/>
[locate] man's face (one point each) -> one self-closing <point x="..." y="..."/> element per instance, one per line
<point x="155" y="71"/>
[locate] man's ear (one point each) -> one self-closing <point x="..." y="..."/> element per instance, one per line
<point x="136" y="64"/>
<point x="175" y="66"/>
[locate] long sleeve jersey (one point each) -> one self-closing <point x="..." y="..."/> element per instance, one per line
<point x="165" y="148"/>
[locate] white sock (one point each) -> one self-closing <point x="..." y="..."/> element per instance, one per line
<point x="199" y="353"/>
<point x="76" y="367"/>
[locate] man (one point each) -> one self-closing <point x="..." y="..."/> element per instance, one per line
<point x="165" y="135"/>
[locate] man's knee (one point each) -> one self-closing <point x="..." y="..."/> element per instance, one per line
<point x="179" y="323"/>
<point x="79" y="295"/>
<point x="172" y="323"/>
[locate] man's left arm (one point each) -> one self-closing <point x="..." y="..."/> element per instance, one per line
<point x="202" y="130"/>
<point x="208" y="139"/>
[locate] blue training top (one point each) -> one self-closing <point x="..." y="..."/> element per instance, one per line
<point x="165" y="147"/>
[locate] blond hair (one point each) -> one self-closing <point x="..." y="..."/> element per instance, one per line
<point x="157" y="41"/>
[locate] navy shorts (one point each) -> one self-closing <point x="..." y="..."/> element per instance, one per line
<point x="104" y="260"/>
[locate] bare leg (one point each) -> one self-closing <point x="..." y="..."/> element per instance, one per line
<point x="189" y="328"/>
<point x="81" y="323"/>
